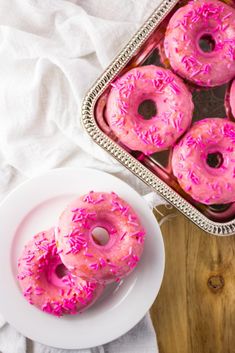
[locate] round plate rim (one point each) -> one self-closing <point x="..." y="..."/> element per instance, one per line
<point x="157" y="286"/>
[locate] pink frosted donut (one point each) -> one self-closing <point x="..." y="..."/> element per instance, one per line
<point x="47" y="284"/>
<point x="171" y="100"/>
<point x="202" y="21"/>
<point x="204" y="161"/>
<point x="82" y="254"/>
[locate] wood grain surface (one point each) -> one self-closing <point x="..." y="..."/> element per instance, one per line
<point x="195" y="309"/>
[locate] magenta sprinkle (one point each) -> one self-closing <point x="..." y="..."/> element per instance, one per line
<point x="123" y="236"/>
<point x="102" y="262"/>
<point x="83" y="217"/>
<point x="47" y="308"/>
<point x="204" y="12"/>
<point x="90" y="199"/>
<point x="39" y="291"/>
<point x="123" y="107"/>
<point x="126" y="90"/>
<point x="69" y="291"/>
<point x="88" y="255"/>
<point x="76" y="241"/>
<point x="231" y="53"/>
<point x="132" y="220"/>
<point x="234" y="173"/>
<point x="229" y="131"/>
<point x="195" y="179"/>
<point x="131" y="259"/>
<point x="117" y="206"/>
<point x="118" y="121"/>
<point x="178" y="121"/>
<point x="190" y="141"/>
<point x="149" y="136"/>
<point x="94" y="266"/>
<point x="28" y="291"/>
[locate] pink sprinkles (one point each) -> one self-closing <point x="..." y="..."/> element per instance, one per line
<point x="149" y="136"/>
<point x="140" y="236"/>
<point x="90" y="198"/>
<point x="82" y="216"/>
<point x="33" y="265"/>
<point x="117" y="206"/>
<point x="205" y="185"/>
<point x="131" y="258"/>
<point x="206" y="12"/>
<point x="163" y="80"/>
<point x="218" y="22"/>
<point x="125" y="87"/>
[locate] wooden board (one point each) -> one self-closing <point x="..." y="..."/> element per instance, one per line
<point x="195" y="309"/>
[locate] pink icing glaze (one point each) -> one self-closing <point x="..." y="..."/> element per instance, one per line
<point x="191" y="22"/>
<point x="42" y="287"/>
<point x="85" y="258"/>
<point x="206" y="184"/>
<point x="232" y="98"/>
<point x="171" y="97"/>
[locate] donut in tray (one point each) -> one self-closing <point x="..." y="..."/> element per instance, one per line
<point x="47" y="283"/>
<point x="171" y="102"/>
<point x="204" y="161"/>
<point x="200" y="42"/>
<point x="83" y="254"/>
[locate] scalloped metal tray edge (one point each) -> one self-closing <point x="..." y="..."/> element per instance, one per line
<point x="89" y="122"/>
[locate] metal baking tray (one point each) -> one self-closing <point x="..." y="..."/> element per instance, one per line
<point x="145" y="48"/>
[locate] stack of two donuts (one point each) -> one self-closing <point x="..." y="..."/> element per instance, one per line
<point x="65" y="269"/>
<point x="204" y="158"/>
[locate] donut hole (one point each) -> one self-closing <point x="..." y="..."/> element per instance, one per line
<point x="206" y="43"/>
<point x="147" y="109"/>
<point x="61" y="271"/>
<point x="100" y="236"/>
<point x="214" y="160"/>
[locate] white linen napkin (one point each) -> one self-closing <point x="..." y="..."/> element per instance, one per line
<point x="51" y="51"/>
<point x="141" y="339"/>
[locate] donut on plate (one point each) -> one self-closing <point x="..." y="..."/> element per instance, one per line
<point x="86" y="256"/>
<point x="47" y="283"/>
<point x="200" y="42"/>
<point x="171" y="102"/>
<point x="204" y="161"/>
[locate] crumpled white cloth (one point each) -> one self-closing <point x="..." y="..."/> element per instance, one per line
<point x="141" y="339"/>
<point x="51" y="51"/>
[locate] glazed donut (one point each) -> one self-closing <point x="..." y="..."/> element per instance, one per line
<point x="87" y="258"/>
<point x="47" y="284"/>
<point x="204" y="161"/>
<point x="173" y="108"/>
<point x="207" y="21"/>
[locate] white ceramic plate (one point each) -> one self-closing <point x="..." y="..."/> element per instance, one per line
<point x="35" y="206"/>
